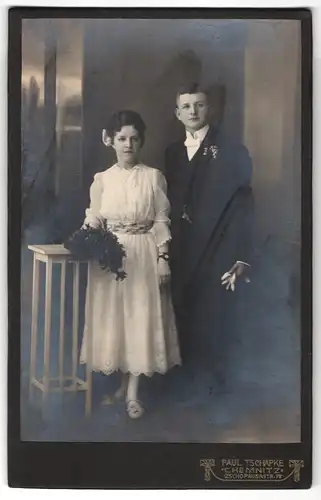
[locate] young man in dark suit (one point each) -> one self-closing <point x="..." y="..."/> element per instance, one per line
<point x="209" y="188"/>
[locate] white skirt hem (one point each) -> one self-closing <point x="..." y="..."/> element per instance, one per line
<point x="123" y="369"/>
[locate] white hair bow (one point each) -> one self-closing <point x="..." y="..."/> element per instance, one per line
<point x="105" y="138"/>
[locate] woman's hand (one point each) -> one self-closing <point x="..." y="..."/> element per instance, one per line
<point x="163" y="272"/>
<point x="92" y="221"/>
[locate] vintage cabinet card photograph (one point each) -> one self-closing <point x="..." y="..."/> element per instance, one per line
<point x="160" y="287"/>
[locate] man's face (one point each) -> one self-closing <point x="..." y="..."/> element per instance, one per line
<point x="192" y="110"/>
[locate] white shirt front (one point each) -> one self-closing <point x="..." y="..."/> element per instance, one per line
<point x="193" y="143"/>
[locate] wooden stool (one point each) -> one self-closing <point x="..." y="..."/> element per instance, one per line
<point x="57" y="254"/>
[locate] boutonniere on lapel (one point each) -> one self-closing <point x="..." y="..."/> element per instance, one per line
<point x="211" y="150"/>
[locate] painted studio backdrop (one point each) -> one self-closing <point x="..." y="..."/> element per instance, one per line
<point x="75" y="73"/>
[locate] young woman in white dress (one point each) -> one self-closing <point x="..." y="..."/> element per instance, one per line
<point x="131" y="322"/>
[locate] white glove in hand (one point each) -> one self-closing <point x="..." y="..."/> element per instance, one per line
<point x="229" y="279"/>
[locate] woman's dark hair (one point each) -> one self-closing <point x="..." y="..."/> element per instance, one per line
<point x="124" y="118"/>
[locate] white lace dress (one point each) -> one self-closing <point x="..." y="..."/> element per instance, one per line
<point x="131" y="322"/>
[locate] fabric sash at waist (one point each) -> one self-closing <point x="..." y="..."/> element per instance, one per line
<point x="129" y="227"/>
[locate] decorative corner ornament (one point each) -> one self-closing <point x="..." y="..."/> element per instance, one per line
<point x="207" y="464"/>
<point x="296" y="465"/>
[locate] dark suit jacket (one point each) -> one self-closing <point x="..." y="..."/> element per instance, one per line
<point x="214" y="189"/>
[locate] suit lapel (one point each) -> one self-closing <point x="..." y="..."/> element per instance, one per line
<point x="182" y="175"/>
<point x="200" y="163"/>
<point x="212" y="187"/>
<point x="188" y="168"/>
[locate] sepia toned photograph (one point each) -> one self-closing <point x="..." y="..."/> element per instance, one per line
<point x="161" y="233"/>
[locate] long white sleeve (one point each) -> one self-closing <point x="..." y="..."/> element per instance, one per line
<point x="93" y="212"/>
<point x="162" y="207"/>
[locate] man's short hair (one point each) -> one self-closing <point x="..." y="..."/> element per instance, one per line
<point x="191" y="88"/>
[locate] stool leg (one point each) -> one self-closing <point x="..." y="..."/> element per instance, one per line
<point x="47" y="330"/>
<point x="75" y="321"/>
<point x="62" y="325"/>
<point x="34" y="323"/>
<point x="89" y="348"/>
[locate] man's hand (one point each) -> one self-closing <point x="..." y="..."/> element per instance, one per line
<point x="229" y="279"/>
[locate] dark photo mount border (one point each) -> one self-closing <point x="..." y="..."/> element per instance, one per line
<point x="147" y="465"/>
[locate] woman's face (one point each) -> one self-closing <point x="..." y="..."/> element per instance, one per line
<point x="127" y="144"/>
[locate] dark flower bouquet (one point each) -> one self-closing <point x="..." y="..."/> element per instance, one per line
<point x="98" y="244"/>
